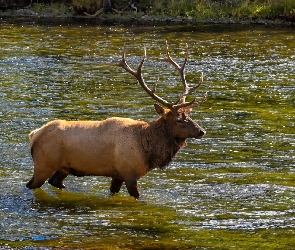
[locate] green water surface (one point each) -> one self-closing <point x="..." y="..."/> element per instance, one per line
<point x="235" y="188"/>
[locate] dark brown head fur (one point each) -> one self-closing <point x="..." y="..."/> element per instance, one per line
<point x="163" y="138"/>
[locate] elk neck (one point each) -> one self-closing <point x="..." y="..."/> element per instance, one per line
<point x="159" y="144"/>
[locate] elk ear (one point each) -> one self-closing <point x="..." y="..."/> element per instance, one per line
<point x="189" y="109"/>
<point x="186" y="110"/>
<point x="161" y="111"/>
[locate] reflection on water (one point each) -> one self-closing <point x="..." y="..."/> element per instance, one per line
<point x="240" y="176"/>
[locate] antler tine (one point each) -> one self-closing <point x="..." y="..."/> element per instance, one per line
<point x="124" y="64"/>
<point x="177" y="67"/>
<point x="200" y="82"/>
<point x="190" y="89"/>
<point x="202" y="101"/>
<point x="193" y="103"/>
<point x="186" y="89"/>
<point x="155" y="85"/>
<point x="138" y="75"/>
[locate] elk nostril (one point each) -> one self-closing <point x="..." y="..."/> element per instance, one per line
<point x="202" y="132"/>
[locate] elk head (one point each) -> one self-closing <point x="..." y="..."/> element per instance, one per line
<point x="176" y="114"/>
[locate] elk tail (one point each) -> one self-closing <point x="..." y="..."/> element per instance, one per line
<point x="32" y="136"/>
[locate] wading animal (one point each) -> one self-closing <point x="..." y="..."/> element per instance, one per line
<point x="120" y="148"/>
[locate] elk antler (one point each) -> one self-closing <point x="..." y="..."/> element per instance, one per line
<point x="138" y="76"/>
<point x="187" y="89"/>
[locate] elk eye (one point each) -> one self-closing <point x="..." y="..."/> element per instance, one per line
<point x="179" y="120"/>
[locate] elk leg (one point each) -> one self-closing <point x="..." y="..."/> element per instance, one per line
<point x="57" y="179"/>
<point x="132" y="188"/>
<point x="116" y="185"/>
<point x="39" y="178"/>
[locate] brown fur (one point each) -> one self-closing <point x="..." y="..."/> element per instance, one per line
<point x="160" y="152"/>
<point x="120" y="148"/>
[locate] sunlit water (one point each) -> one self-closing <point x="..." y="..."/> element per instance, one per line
<point x="233" y="188"/>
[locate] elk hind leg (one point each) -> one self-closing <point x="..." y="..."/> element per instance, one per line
<point x="116" y="185"/>
<point x="39" y="178"/>
<point x="57" y="179"/>
<point x="132" y="188"/>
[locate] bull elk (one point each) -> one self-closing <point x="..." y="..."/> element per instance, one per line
<point x="120" y="148"/>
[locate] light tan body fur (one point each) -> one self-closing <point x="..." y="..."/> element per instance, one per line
<point x="121" y="148"/>
<point x="92" y="147"/>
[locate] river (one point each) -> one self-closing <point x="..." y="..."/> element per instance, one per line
<point x="235" y="188"/>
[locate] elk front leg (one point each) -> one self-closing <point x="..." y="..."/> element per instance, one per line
<point x="132" y="188"/>
<point x="116" y="185"/>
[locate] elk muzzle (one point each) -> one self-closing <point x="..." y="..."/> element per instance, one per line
<point x="202" y="132"/>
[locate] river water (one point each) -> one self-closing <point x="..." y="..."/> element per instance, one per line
<point x="235" y="188"/>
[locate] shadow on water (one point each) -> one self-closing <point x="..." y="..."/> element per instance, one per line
<point x="234" y="188"/>
<point x="75" y="220"/>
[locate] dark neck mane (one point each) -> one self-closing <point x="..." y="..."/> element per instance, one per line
<point x="159" y="144"/>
